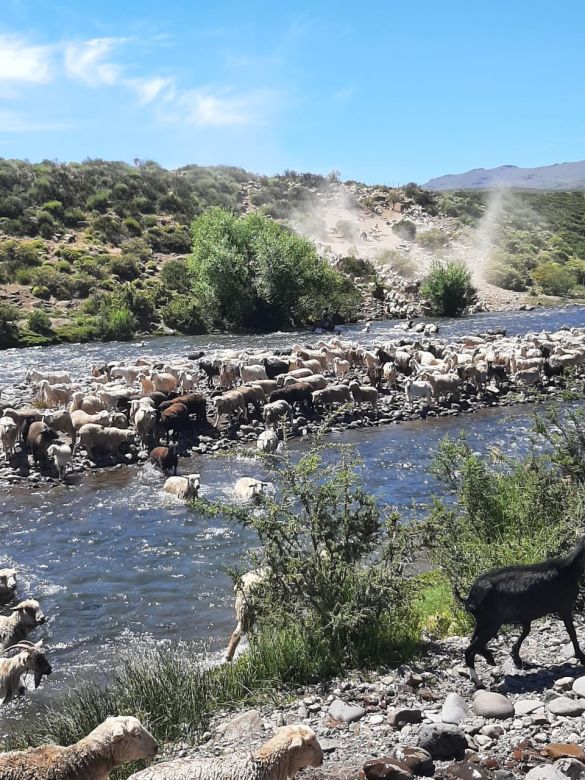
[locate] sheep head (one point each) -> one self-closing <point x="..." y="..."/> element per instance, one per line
<point x="130" y="740"/>
<point x="7" y="583"/>
<point x="299" y="743"/>
<point x="30" y="613"/>
<point x="194" y="481"/>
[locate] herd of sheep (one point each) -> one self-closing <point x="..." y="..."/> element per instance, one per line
<point x="122" y="412"/>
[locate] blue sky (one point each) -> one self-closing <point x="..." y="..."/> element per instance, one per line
<point x="384" y="92"/>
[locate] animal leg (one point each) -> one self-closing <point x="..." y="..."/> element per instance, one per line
<point x="518" y="663"/>
<point x="570" y="626"/>
<point x="481" y="636"/>
<point x="234" y="642"/>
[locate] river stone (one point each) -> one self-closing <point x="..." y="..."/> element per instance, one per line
<point x="418" y="760"/>
<point x="246" y="723"/>
<point x="386" y="769"/>
<point x="579" y="686"/>
<point x="466" y="770"/>
<point x="545" y="772"/>
<point x="492" y="705"/>
<point x="526" y="706"/>
<point x="572" y="768"/>
<point x="565" y="706"/>
<point x="442" y="740"/>
<point x="454" y="709"/>
<point x="339" y="710"/>
<point x="399" y="716"/>
<point x="564" y="750"/>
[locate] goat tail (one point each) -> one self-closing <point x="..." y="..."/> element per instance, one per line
<point x="463" y="602"/>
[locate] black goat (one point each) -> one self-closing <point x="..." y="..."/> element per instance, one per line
<point x="552" y="368"/>
<point x="519" y="595"/>
<point x="496" y="372"/>
<point x="275" y="367"/>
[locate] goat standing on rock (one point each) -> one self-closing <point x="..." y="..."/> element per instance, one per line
<point x="521" y="594"/>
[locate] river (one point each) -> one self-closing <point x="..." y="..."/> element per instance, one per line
<point x="115" y="562"/>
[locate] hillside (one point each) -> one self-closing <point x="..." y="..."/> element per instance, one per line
<point x="561" y="176"/>
<point x="99" y="250"/>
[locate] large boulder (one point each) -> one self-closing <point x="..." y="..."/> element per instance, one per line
<point x="442" y="740"/>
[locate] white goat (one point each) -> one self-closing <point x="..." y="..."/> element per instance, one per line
<point x="12" y="670"/>
<point x="8" y="435"/>
<point x="417" y="389"/>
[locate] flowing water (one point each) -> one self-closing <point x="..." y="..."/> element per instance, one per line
<point x="116" y="562"/>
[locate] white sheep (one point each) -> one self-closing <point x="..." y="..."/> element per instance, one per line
<point x="52" y="377"/>
<point x="88" y="403"/>
<point x="30" y="658"/>
<point x="114" y="742"/>
<point x="248" y="488"/>
<point x="97" y="440"/>
<point x="275" y="410"/>
<point x="183" y="487"/>
<point x="252" y="373"/>
<point x="341" y="367"/>
<point x="145" y="423"/>
<point x="267" y="442"/>
<point x="79" y="418"/>
<point x="8" y="583"/>
<point x="8" y="435"/>
<point x="53" y="395"/>
<point x="417" y="389"/>
<point x="60" y="421"/>
<point x="244" y="589"/>
<point x="291" y="749"/>
<point x="25" y="617"/>
<point x="62" y="455"/>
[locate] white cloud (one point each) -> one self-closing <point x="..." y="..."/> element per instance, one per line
<point x="148" y="89"/>
<point x="86" y="62"/>
<point x="20" y="61"/>
<point x="204" y="108"/>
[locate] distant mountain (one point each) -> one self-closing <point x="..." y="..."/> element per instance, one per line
<point x="562" y="176"/>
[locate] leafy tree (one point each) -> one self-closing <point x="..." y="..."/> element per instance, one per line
<point x="448" y="288"/>
<point x="40" y="322"/>
<point x="175" y="276"/>
<point x="183" y="313"/>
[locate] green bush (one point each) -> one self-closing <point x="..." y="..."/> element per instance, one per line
<point x="448" y="288"/>
<point x="554" y="279"/>
<point x="355" y="266"/>
<point x="183" y="314"/>
<point x="99" y="201"/>
<point x="174" y="275"/>
<point x="39" y="322"/>
<point x="40" y="291"/>
<point x="16" y="255"/>
<point x="8" y="327"/>
<point x="400" y="262"/>
<point x="335" y="565"/>
<point x="503" y="512"/>
<point x="433" y="239"/>
<point x="508" y="277"/>
<point x="115" y="323"/>
<point x="405" y="229"/>
<point x="126" y="268"/>
<point x="58" y="284"/>
<point x="252" y="272"/>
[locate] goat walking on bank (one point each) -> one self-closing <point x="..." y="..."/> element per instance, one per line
<point x="519" y="595"/>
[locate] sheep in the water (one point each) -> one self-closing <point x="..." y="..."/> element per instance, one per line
<point x="30" y="658"/>
<point x="8" y="584"/>
<point x="267" y="442"/>
<point x="248" y="488"/>
<point x="25" y="617"/>
<point x="183" y="487"/>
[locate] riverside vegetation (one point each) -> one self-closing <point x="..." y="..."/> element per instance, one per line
<point x="103" y="250"/>
<point x="341" y="592"/>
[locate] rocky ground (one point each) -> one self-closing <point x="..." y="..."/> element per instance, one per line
<point x="427" y="719"/>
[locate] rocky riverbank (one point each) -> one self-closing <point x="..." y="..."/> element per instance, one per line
<point x="426" y="719"/>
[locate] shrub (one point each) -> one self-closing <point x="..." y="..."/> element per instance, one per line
<point x="42" y="292"/>
<point x="174" y="275"/>
<point x="183" y="313"/>
<point x="355" y="266"/>
<point x="99" y="201"/>
<point x="503" y="512"/>
<point x="508" y="277"/>
<point x="8" y="327"/>
<point x="39" y="322"/>
<point x="57" y="283"/>
<point x="335" y="563"/>
<point x="433" y="239"/>
<point x="399" y="262"/>
<point x="554" y="279"/>
<point x="115" y="323"/>
<point x="448" y="288"/>
<point x="405" y="229"/>
<point x="132" y="226"/>
<point x="126" y="268"/>
<point x="15" y="255"/>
